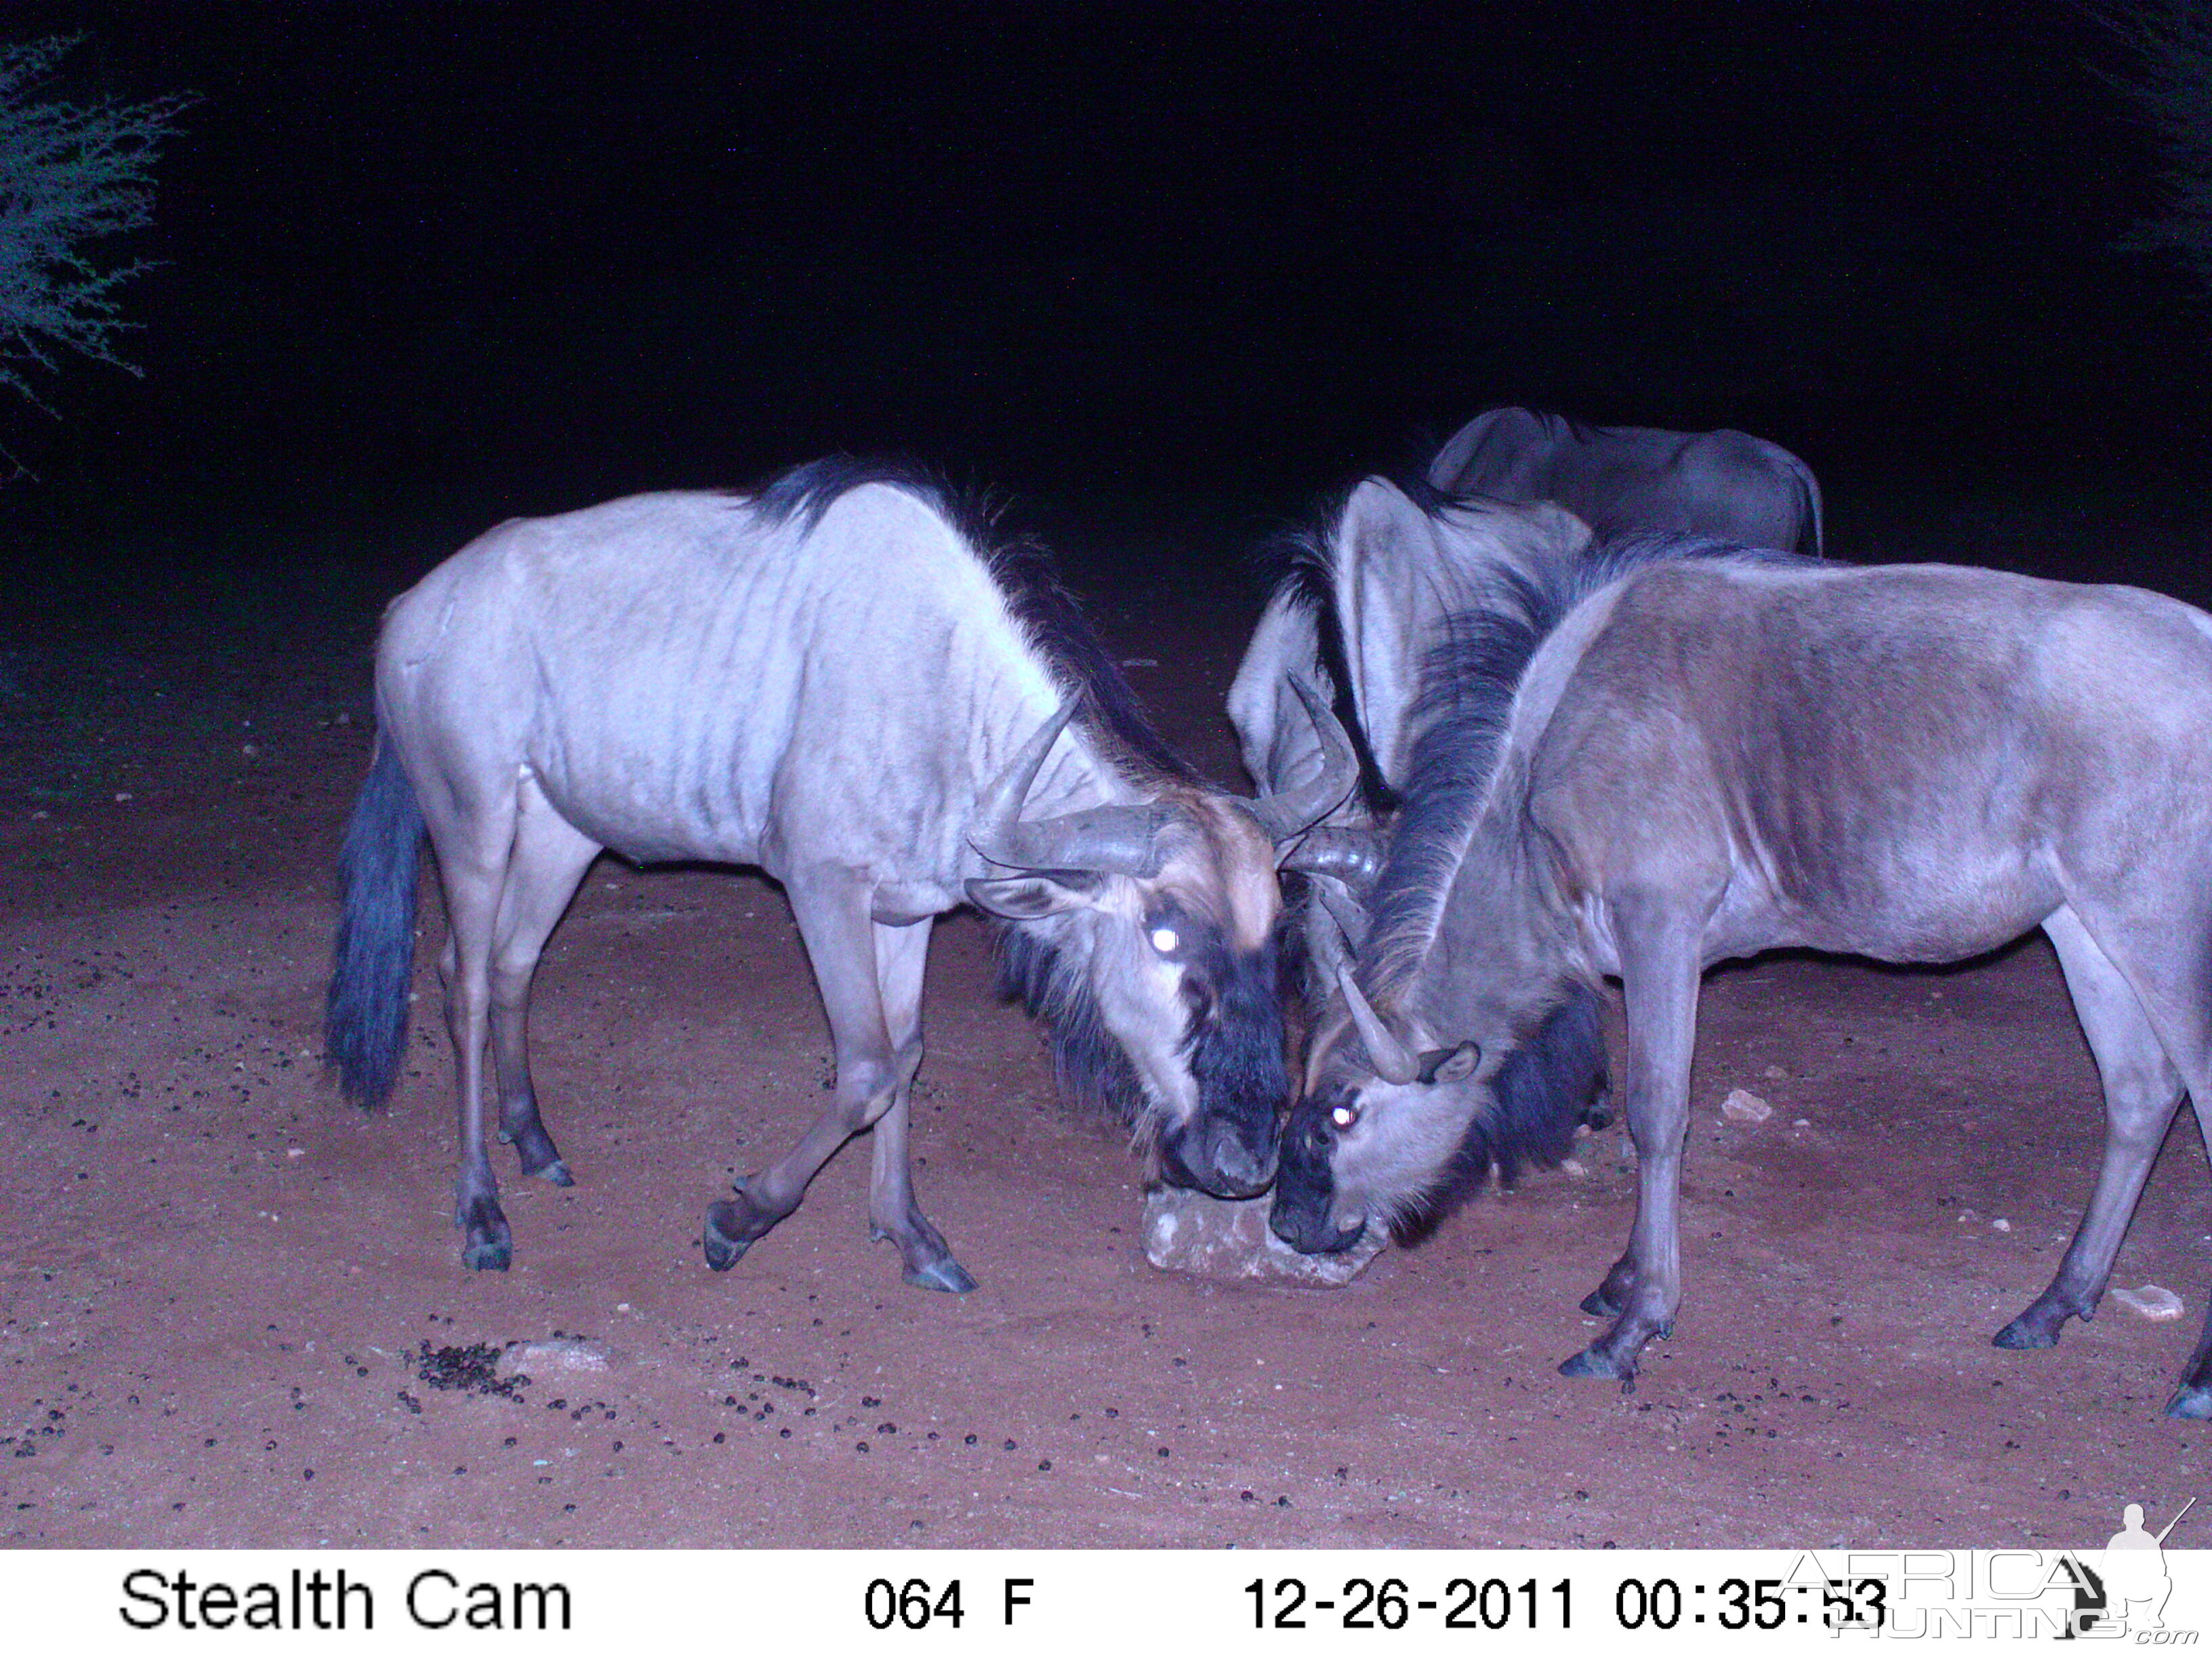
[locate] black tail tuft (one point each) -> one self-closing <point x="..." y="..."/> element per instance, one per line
<point x="365" y="1018"/>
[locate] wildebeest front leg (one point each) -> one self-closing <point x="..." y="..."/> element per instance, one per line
<point x="894" y="1213"/>
<point x="1659" y="986"/>
<point x="1611" y="1296"/>
<point x="2142" y="1090"/>
<point x="831" y="907"/>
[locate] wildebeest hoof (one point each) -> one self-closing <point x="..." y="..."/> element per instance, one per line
<point x="1594" y="1361"/>
<point x="724" y="1239"/>
<point x="1595" y="1305"/>
<point x="2193" y="1402"/>
<point x="942" y="1274"/>
<point x="486" y="1243"/>
<point x="2021" y="1333"/>
<point x="557" y="1173"/>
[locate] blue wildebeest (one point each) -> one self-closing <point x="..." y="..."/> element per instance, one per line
<point x="1622" y="480"/>
<point x="1678" y="751"/>
<point x="828" y="680"/>
<point x="1363" y="604"/>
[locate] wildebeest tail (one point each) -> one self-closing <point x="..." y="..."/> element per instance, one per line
<point x="365" y="1018"/>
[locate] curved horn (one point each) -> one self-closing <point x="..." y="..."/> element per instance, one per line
<point x="1351" y="853"/>
<point x="1329" y="940"/>
<point x="1344" y="911"/>
<point x="1121" y="840"/>
<point x="1283" y="815"/>
<point x="1394" y="1061"/>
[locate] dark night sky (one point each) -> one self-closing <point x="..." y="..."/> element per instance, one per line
<point x="464" y="259"/>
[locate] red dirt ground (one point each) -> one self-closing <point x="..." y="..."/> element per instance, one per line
<point x="215" y="1281"/>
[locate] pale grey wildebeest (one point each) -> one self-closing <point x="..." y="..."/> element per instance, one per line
<point x="1622" y="480"/>
<point x="1676" y="751"/>
<point x="831" y="681"/>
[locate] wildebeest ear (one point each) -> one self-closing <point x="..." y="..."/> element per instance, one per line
<point x="1024" y="898"/>
<point x="1450" y="1065"/>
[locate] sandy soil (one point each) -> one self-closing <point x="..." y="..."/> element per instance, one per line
<point x="218" y="1287"/>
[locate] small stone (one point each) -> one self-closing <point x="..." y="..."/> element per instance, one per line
<point x="1221" y="1238"/>
<point x="1741" y="1106"/>
<point x="1573" y="1168"/>
<point x="1775" y="1074"/>
<point x="2000" y="1224"/>
<point x="2151" y="1301"/>
<point x="564" y="1353"/>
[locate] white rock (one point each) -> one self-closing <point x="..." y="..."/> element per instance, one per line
<point x="1189" y="1232"/>
<point x="2151" y="1301"/>
<point x="555" y="1353"/>
<point x="1742" y="1106"/>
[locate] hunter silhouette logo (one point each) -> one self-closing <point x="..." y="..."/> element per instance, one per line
<point x="2136" y="1581"/>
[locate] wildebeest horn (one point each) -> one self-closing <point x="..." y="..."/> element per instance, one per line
<point x="1351" y="853"/>
<point x="1394" y="1062"/>
<point x="1344" y="911"/>
<point x="1121" y="840"/>
<point x="1284" y="815"/>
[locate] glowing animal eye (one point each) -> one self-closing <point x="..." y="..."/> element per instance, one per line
<point x="1165" y="940"/>
<point x="1344" y="1116"/>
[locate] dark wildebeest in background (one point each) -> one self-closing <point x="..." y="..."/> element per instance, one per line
<point x="1358" y="607"/>
<point x="830" y="681"/>
<point x="1621" y="480"/>
<point x="1675" y="752"/>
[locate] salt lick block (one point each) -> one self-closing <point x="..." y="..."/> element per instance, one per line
<point x="1188" y="1232"/>
<point x="551" y="1354"/>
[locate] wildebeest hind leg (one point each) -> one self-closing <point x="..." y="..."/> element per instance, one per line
<point x="2193" y="1399"/>
<point x="894" y="1213"/>
<point x="471" y="847"/>
<point x="2141" y="1091"/>
<point x="1659" y="986"/>
<point x="831" y="907"/>
<point x="549" y="858"/>
<point x="2160" y="935"/>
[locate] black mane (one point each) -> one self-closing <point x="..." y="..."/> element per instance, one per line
<point x="1023" y="572"/>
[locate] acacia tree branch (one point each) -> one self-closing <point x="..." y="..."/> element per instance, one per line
<point x="72" y="176"/>
<point x="2171" y="85"/>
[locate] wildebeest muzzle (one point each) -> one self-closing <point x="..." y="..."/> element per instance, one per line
<point x="1302" y="1216"/>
